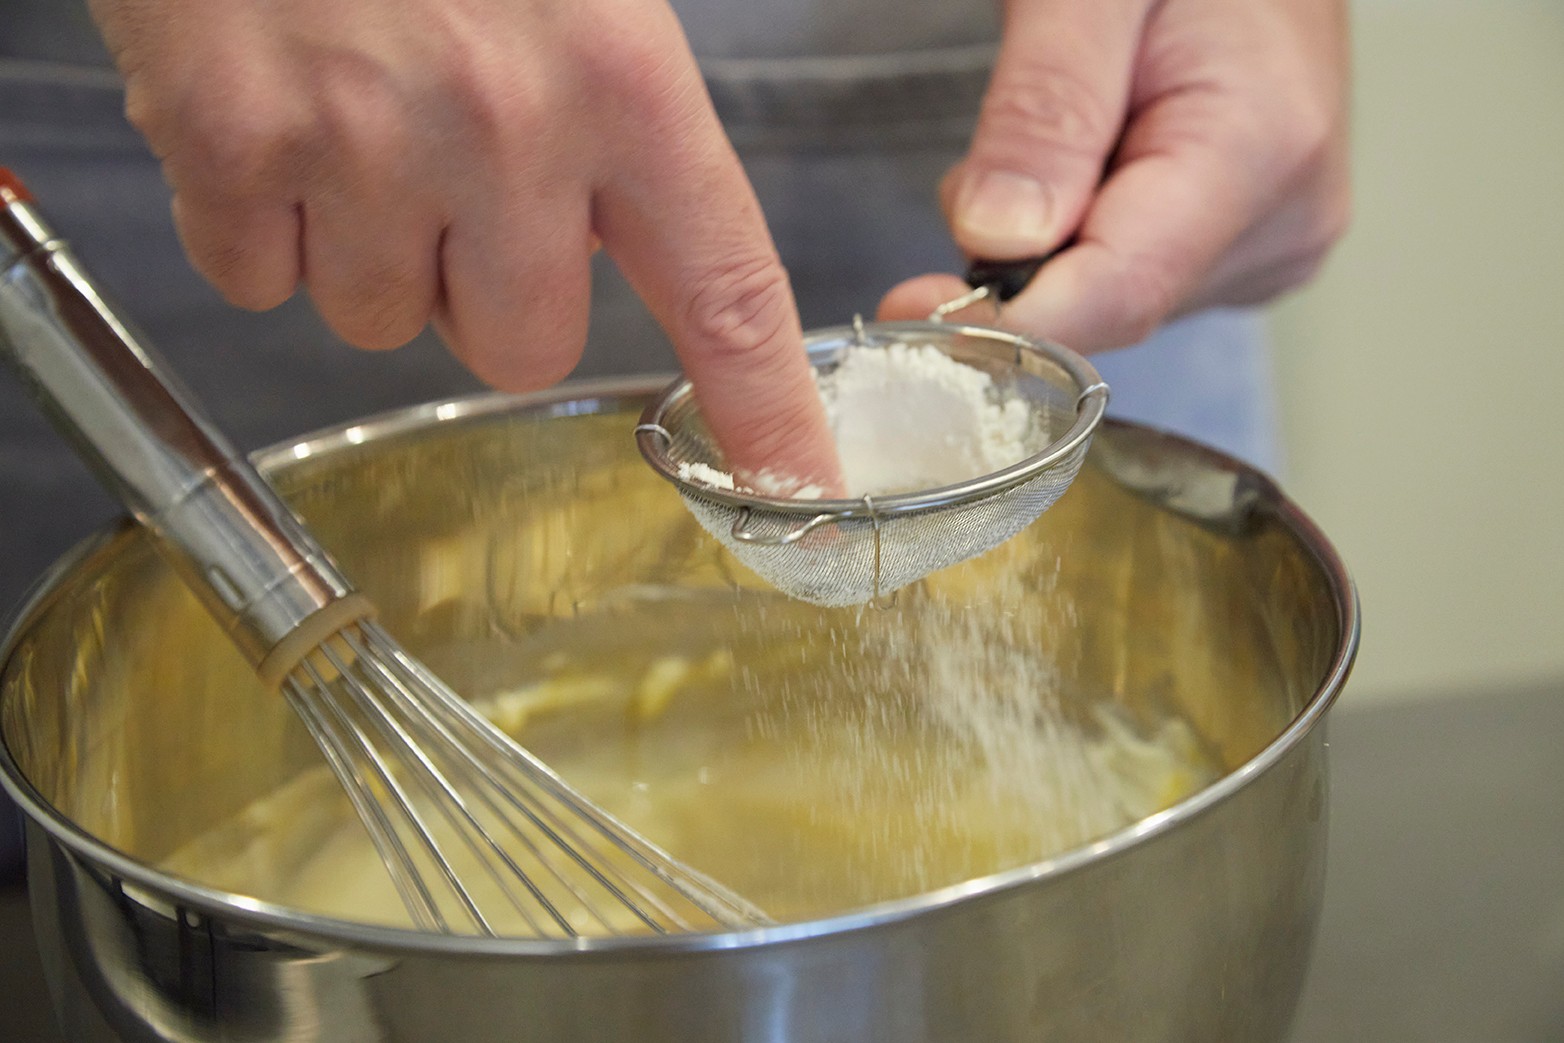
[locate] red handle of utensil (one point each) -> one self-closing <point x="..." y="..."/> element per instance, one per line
<point x="12" y="190"/>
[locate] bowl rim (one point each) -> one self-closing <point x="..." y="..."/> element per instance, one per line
<point x="825" y="348"/>
<point x="588" y="397"/>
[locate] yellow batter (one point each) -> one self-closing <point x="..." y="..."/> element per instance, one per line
<point x="810" y="771"/>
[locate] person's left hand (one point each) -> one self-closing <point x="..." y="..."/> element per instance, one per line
<point x="1196" y="149"/>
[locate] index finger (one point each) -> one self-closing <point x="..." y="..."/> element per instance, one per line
<point x="679" y="217"/>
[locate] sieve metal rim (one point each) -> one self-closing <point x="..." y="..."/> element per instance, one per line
<point x="824" y="346"/>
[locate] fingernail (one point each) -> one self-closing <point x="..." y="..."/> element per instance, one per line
<point x="1003" y="211"/>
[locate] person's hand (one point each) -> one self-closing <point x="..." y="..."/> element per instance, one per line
<point x="1196" y="149"/>
<point x="418" y="160"/>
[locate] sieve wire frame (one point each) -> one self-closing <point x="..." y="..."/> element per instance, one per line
<point x="849" y="566"/>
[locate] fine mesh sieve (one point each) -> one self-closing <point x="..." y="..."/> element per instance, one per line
<point x="849" y="551"/>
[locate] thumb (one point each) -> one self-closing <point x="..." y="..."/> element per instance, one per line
<point x="1054" y="109"/>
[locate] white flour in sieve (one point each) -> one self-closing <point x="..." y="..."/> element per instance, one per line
<point x="909" y="417"/>
<point x="906" y="418"/>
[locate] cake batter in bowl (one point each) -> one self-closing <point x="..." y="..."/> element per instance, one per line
<point x="1072" y="790"/>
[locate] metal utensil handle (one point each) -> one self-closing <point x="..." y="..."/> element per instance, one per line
<point x="260" y="573"/>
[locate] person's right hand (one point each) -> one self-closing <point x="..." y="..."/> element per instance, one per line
<point x="418" y="160"/>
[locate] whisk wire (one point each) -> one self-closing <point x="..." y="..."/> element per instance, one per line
<point x="528" y="780"/>
<point x="409" y="756"/>
<point x="431" y="778"/>
<point x="478" y="839"/>
<point x="528" y="774"/>
<point x="393" y="853"/>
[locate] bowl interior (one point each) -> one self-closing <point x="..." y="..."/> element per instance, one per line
<point x="523" y="548"/>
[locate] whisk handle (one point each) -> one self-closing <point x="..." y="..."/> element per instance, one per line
<point x="236" y="544"/>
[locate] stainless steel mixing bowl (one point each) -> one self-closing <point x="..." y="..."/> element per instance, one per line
<point x="1169" y="575"/>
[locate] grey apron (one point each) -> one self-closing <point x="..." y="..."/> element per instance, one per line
<point x="846" y="113"/>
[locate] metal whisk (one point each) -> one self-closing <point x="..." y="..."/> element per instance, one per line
<point x="475" y="832"/>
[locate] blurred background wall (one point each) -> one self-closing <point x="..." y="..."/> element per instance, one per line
<point x="1423" y="373"/>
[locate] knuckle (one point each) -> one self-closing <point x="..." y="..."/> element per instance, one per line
<point x="1149" y="294"/>
<point x="384" y="305"/>
<point x="488" y="98"/>
<point x="518" y="353"/>
<point x="143" y="111"/>
<point x="354" y="99"/>
<point x="372" y="320"/>
<point x="1308" y="227"/>
<point x="509" y="110"/>
<point x="223" y="125"/>
<point x="245" y="281"/>
<point x="1039" y="104"/>
<point x="241" y="152"/>
<point x="653" y="80"/>
<point x="1303" y="127"/>
<point x="1328" y="224"/>
<point x="226" y="264"/>
<point x="740" y="308"/>
<point x="229" y="262"/>
<point x="1312" y="135"/>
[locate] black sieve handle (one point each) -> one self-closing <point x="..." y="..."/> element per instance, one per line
<point x="1005" y="279"/>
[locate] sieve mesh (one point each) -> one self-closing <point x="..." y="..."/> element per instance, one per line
<point x="846" y="552"/>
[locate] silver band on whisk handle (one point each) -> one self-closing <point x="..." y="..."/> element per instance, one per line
<point x="262" y="576"/>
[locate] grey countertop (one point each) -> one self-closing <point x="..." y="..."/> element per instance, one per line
<point x="1444" y="907"/>
<point x="1444" y="911"/>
